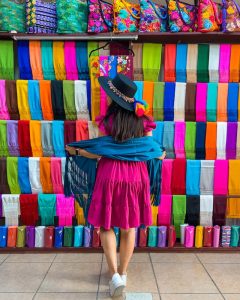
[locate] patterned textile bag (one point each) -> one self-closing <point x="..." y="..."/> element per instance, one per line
<point x="153" y="17"/>
<point x="230" y="16"/>
<point x="182" y="16"/>
<point x="72" y="16"/>
<point x="12" y="15"/>
<point x="41" y="16"/>
<point x="126" y="16"/>
<point x="100" y="16"/>
<point x="209" y="18"/>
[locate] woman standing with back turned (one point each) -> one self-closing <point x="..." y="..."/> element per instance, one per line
<point x="121" y="194"/>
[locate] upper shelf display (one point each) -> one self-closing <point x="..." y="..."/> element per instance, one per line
<point x="151" y="37"/>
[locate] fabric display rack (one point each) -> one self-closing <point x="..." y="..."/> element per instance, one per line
<point x="50" y="96"/>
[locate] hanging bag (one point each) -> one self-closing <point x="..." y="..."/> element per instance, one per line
<point x="230" y="16"/>
<point x="153" y="17"/>
<point x="41" y="16"/>
<point x="100" y="16"/>
<point x="182" y="16"/>
<point x="209" y="18"/>
<point x="12" y="15"/>
<point x="72" y="16"/>
<point x="126" y="16"/>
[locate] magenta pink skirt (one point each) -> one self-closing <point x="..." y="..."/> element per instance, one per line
<point x="121" y="195"/>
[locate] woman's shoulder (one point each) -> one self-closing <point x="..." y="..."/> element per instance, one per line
<point x="148" y="124"/>
<point x="100" y="123"/>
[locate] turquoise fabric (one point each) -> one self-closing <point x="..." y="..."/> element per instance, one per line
<point x="47" y="60"/>
<point x="212" y="94"/>
<point x="193" y="177"/>
<point x="47" y="208"/>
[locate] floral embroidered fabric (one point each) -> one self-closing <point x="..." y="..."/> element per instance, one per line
<point x="126" y="16"/>
<point x="100" y="17"/>
<point x="153" y="17"/>
<point x="231" y="16"/>
<point x="182" y="17"/>
<point x="208" y="16"/>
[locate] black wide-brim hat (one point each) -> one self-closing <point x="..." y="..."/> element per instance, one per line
<point x="120" y="89"/>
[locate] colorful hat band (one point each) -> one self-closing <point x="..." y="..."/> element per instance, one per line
<point x="117" y="92"/>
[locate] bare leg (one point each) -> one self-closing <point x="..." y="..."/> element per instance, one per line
<point x="126" y="249"/>
<point x="108" y="241"/>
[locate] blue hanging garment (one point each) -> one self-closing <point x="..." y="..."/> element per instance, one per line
<point x="193" y="177"/>
<point x="200" y="140"/>
<point x="158" y="132"/>
<point x="34" y="100"/>
<point x="82" y="60"/>
<point x="139" y="93"/>
<point x="168" y="138"/>
<point x="23" y="175"/>
<point x="24" y="65"/>
<point x="232" y="105"/>
<point x="58" y="138"/>
<point x="168" y="107"/>
<point x="181" y="62"/>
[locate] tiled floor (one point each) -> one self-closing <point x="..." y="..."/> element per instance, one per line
<point x="165" y="276"/>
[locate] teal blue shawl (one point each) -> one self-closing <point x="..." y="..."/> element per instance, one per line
<point x="80" y="172"/>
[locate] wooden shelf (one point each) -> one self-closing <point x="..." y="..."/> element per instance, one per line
<point x="177" y="249"/>
<point x="189" y="37"/>
<point x="155" y="37"/>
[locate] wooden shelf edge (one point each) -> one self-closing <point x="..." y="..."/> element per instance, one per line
<point x="155" y="37"/>
<point x="176" y="249"/>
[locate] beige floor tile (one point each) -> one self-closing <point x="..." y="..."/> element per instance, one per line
<point x="72" y="277"/>
<point x="33" y="257"/>
<point x="22" y="277"/>
<point x="140" y="278"/>
<point x="79" y="257"/>
<point x="191" y="297"/>
<point x="219" y="258"/>
<point x="226" y="276"/>
<point x="106" y="296"/>
<point x="174" y="257"/>
<point x="66" y="296"/>
<point x="16" y="296"/>
<point x="231" y="296"/>
<point x="137" y="257"/>
<point x="183" y="278"/>
<point x="3" y="257"/>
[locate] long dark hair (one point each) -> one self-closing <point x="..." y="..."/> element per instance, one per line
<point x="123" y="124"/>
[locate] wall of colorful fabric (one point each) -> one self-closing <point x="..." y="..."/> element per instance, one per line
<point x="50" y="96"/>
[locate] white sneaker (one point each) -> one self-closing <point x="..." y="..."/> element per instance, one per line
<point x="116" y="285"/>
<point x="124" y="279"/>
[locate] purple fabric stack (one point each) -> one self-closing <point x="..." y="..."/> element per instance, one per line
<point x="41" y="16"/>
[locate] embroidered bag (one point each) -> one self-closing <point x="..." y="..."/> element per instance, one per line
<point x="230" y="16"/>
<point x="100" y="16"/>
<point x="126" y="16"/>
<point x="41" y="16"/>
<point x="153" y="17"/>
<point x="208" y="16"/>
<point x="72" y="16"/>
<point x="12" y="15"/>
<point x="182" y="16"/>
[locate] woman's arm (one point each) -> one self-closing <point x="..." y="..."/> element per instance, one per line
<point x="149" y="133"/>
<point x="82" y="152"/>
